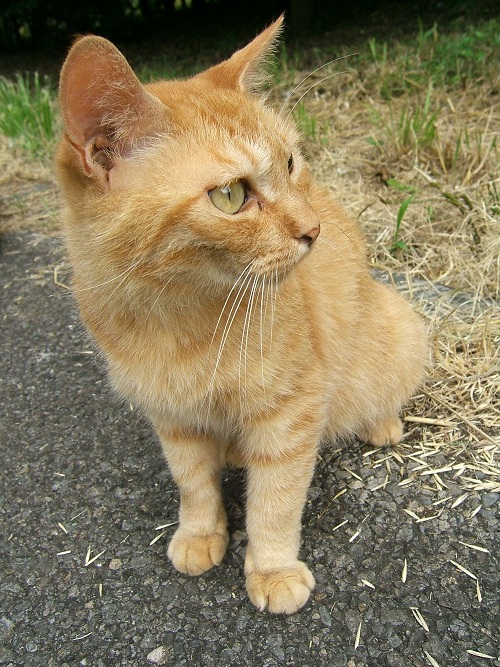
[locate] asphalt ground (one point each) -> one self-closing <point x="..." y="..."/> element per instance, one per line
<point x="84" y="576"/>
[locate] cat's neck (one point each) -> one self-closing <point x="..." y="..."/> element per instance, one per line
<point x="179" y="302"/>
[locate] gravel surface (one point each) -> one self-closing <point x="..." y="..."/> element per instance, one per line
<point x="84" y="576"/>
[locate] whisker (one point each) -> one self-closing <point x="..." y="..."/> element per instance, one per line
<point x="262" y="318"/>
<point x="252" y="303"/>
<point x="274" y="288"/>
<point x="330" y="62"/>
<point x="246" y="330"/>
<point x="158" y="297"/>
<point x="268" y="287"/>
<point x="246" y="278"/>
<point x="232" y="313"/>
<point x="330" y="245"/>
<point x="246" y="270"/>
<point x="316" y="83"/>
<point x="331" y="222"/>
<point x="334" y="248"/>
<point x="122" y="281"/>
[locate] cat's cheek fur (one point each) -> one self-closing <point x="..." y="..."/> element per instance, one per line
<point x="120" y="177"/>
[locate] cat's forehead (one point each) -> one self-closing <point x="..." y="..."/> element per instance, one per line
<point x="194" y="106"/>
<point x="250" y="160"/>
<point x="219" y="136"/>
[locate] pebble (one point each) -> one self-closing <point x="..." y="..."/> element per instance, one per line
<point x="489" y="499"/>
<point x="159" y="656"/>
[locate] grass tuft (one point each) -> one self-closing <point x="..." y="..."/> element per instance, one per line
<point x="397" y="244"/>
<point x="306" y="122"/>
<point x="409" y="131"/>
<point x="27" y="113"/>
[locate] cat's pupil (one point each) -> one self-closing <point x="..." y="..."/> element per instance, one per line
<point x="290" y="164"/>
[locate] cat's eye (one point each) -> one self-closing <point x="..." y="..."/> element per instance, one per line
<point x="290" y="164"/>
<point x="229" y="198"/>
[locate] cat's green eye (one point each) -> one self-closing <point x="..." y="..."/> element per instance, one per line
<point x="230" y="198"/>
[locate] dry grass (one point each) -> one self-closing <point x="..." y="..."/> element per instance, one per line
<point x="28" y="192"/>
<point x="426" y="150"/>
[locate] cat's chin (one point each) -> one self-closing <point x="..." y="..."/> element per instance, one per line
<point x="278" y="266"/>
<point x="281" y="269"/>
<point x="273" y="274"/>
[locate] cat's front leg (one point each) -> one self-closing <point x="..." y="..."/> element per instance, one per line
<point x="201" y="539"/>
<point x="278" y="480"/>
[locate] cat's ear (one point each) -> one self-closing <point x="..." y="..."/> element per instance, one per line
<point x="246" y="69"/>
<point x="106" y="111"/>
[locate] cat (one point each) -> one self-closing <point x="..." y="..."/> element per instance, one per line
<point x="231" y="297"/>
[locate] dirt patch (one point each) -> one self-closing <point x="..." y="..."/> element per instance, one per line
<point x="29" y="196"/>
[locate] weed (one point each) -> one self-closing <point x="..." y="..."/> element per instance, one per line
<point x="397" y="244"/>
<point x="27" y="113"/>
<point x="389" y="80"/>
<point x="425" y="37"/>
<point x="402" y="187"/>
<point x="284" y="66"/>
<point x="494" y="198"/>
<point x="454" y="60"/>
<point x="378" y="52"/>
<point x="449" y="60"/>
<point x="410" y="131"/>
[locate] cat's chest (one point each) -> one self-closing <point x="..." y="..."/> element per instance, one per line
<point x="195" y="369"/>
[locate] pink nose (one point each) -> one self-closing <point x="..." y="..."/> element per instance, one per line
<point x="310" y="236"/>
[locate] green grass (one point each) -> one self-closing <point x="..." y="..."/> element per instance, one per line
<point x="28" y="113"/>
<point x="457" y="59"/>
<point x="448" y="60"/>
<point x="411" y="129"/>
<point x="164" y="67"/>
<point x="284" y="66"/>
<point x="306" y="122"/>
<point x="398" y="245"/>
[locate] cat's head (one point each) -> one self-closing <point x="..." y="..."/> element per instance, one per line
<point x="197" y="174"/>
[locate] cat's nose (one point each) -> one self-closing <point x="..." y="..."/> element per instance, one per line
<point x="310" y="236"/>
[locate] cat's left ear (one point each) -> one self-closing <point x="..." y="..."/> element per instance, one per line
<point x="245" y="70"/>
<point x="106" y="111"/>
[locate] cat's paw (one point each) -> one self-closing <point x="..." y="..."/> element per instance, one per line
<point x="195" y="554"/>
<point x="281" y="591"/>
<point x="385" y="433"/>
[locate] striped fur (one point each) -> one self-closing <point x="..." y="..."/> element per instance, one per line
<point x="244" y="343"/>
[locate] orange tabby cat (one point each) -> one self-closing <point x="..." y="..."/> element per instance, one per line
<point x="246" y="337"/>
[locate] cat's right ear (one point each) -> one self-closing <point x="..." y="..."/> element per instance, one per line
<point x="106" y="111"/>
<point x="245" y="70"/>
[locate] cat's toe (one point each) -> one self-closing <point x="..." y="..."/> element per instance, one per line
<point x="195" y="554"/>
<point x="383" y="434"/>
<point x="281" y="591"/>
